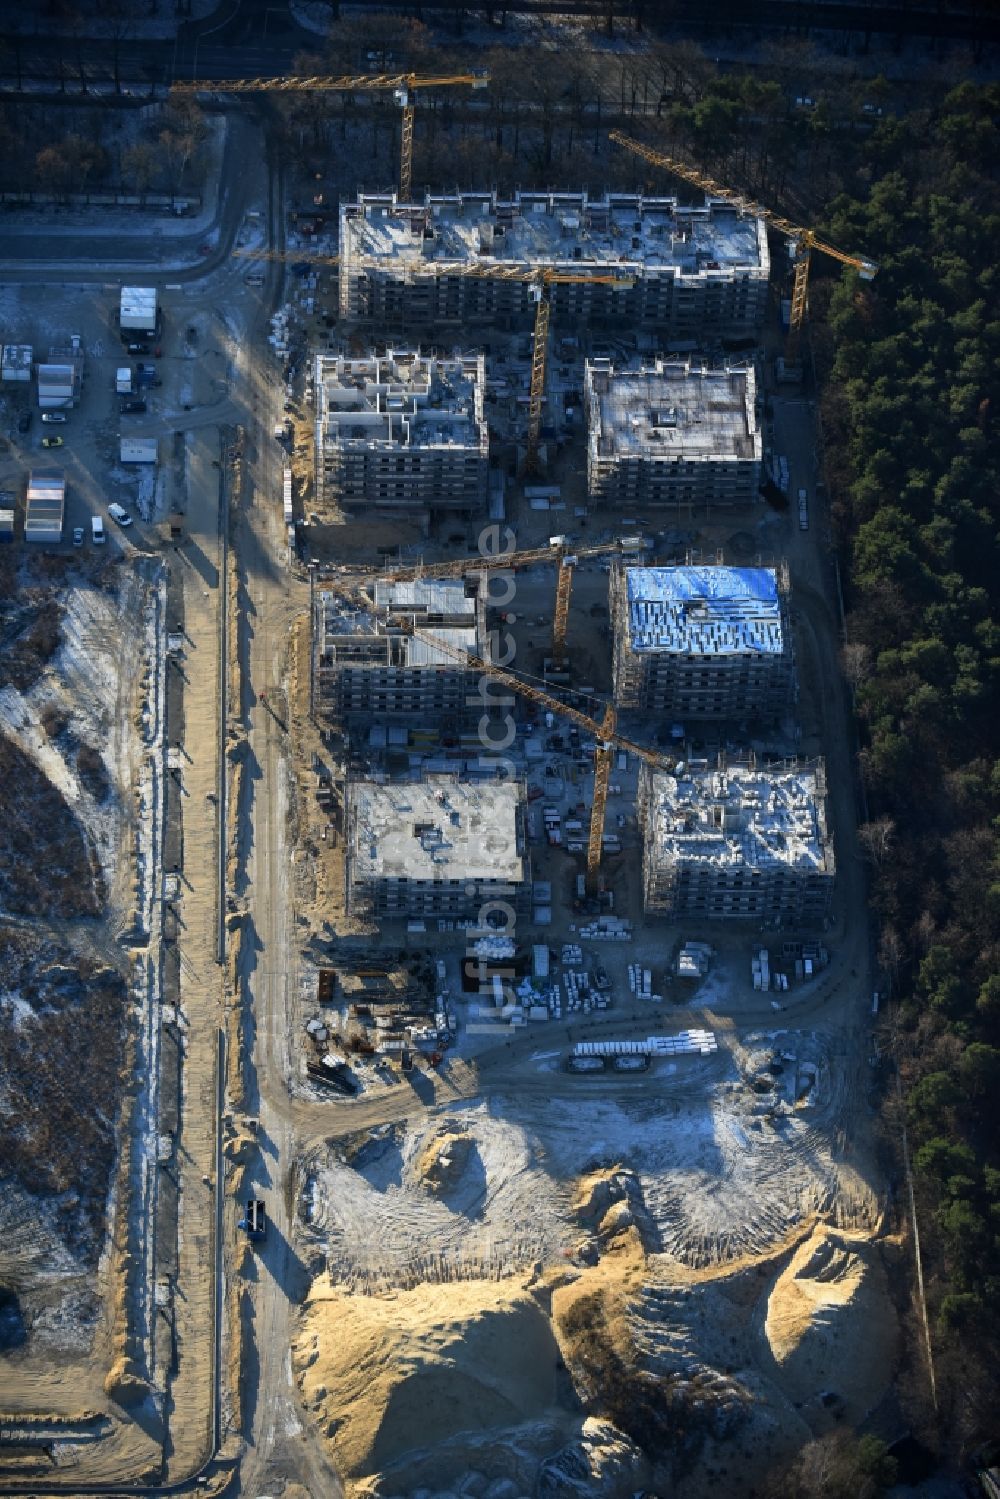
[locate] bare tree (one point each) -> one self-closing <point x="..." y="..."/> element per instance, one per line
<point x="876" y="839"/>
<point x="52" y="169"/>
<point x="139" y="165"/>
<point x="856" y="661"/>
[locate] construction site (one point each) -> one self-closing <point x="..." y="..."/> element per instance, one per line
<point x="566" y="774"/>
<point x="702" y="642"/>
<point x="672" y="435"/>
<point x="499" y="1064"/>
<point x="402" y="433"/>
<point x="673" y="267"/>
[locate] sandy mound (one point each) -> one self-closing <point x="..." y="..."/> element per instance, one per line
<point x="829" y="1323"/>
<point x="388" y="1375"/>
<point x="609" y="1204"/>
<point x="444" y="1159"/>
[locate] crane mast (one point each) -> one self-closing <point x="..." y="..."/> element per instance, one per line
<point x="559" y="551"/>
<point x="805" y="240"/>
<point x="606" y="736"/>
<point x="401" y="84"/>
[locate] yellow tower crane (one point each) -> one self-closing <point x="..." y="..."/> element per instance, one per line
<point x="540" y="281"/>
<point x="804" y="240"/>
<point x="606" y="736"/>
<point x="403" y="86"/>
<point x="559" y="550"/>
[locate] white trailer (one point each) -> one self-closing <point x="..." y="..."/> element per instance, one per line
<point x="138" y="312"/>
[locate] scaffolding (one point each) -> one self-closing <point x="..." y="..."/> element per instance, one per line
<point x="702" y="642"/>
<point x="738" y="841"/>
<point x="369" y="666"/>
<point x="437" y="847"/>
<point x="692" y="267"/>
<point x="674" y="434"/>
<point x="402" y="432"/>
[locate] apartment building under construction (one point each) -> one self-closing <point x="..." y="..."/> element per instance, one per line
<point x="437" y="847"/>
<point x="675" y="435"/>
<point x="739" y="841"/>
<point x="702" y="642"/>
<point x="390" y="655"/>
<point x="454" y="261"/>
<point x="402" y="433"/>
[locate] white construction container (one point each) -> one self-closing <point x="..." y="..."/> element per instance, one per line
<point x="139" y="450"/>
<point x="15" y="366"/>
<point x="138" y="309"/>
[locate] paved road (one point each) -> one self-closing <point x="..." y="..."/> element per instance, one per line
<point x="247" y="38"/>
<point x="87" y="258"/>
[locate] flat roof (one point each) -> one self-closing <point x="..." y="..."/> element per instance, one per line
<point x="46" y="481"/>
<point x="704" y="611"/>
<point x="741" y="817"/>
<point x="673" y="410"/>
<point x="401" y="400"/>
<point x="138" y="302"/>
<point x="17" y="356"/>
<point x="444" y="601"/>
<point x="436" y="831"/>
<point x="140" y="449"/>
<point x="443" y="596"/>
<point x="557" y="229"/>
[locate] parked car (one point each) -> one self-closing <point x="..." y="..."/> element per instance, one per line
<point x="53" y="416"/>
<point x="137" y="348"/>
<point x="133" y="405"/>
<point x="120" y="514"/>
<point x="78" y="536"/>
<point x="24" y="421"/>
<point x="52" y="442"/>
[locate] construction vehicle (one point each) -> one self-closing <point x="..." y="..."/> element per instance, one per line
<point x="559" y="550"/>
<point x="403" y="86"/>
<point x="254" y="1220"/>
<point x="606" y="737"/>
<point x="541" y="280"/>
<point x="805" y="241"/>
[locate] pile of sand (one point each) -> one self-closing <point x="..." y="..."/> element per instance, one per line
<point x="394" y="1374"/>
<point x="829" y="1322"/>
<point x="444" y="1159"/>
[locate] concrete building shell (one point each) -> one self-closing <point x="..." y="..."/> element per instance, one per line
<point x="691" y="269"/>
<point x="368" y="669"/>
<point x="702" y="642"/>
<point x="738" y="842"/>
<point x="674" y="434"/>
<point x="434" y="847"/>
<point x="402" y="432"/>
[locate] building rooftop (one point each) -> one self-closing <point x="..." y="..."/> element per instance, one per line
<point x="704" y="611"/>
<point x="437" y="831"/>
<point x="438" y="607"/>
<point x="17" y="356"/>
<point x="741" y="816"/>
<point x="139" y="302"/>
<point x="557" y="229"/>
<point x="444" y="597"/>
<point x="401" y="400"/>
<point x="677" y="410"/>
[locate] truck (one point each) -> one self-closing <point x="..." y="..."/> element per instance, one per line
<point x="254" y="1220"/>
<point x="123" y="380"/>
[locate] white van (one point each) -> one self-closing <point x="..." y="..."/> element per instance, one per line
<point x="97" y="530"/>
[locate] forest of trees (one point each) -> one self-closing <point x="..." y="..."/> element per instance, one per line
<point x="77" y="149"/>
<point x="910" y="406"/>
